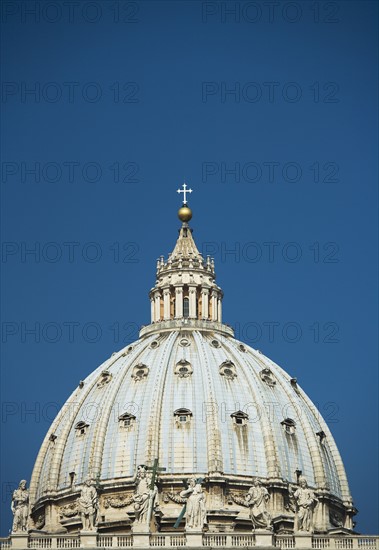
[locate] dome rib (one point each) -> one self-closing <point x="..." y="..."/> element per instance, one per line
<point x="155" y="415"/>
<point x="272" y="462"/>
<point x="214" y="454"/>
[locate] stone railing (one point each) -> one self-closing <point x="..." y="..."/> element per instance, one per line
<point x="192" y="540"/>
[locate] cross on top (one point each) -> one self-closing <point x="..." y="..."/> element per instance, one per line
<point x="184" y="191"/>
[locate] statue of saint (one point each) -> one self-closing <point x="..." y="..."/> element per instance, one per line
<point x="305" y="503"/>
<point x="196" y="515"/>
<point x="145" y="498"/>
<point x="256" y="499"/>
<point x="20" y="508"/>
<point x="88" y="504"/>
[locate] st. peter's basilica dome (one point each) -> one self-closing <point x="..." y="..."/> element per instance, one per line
<point x="187" y="401"/>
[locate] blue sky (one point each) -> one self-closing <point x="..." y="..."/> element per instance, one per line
<point x="269" y="113"/>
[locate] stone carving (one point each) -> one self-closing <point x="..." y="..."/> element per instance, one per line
<point x="289" y="500"/>
<point x="267" y="377"/>
<point x="69" y="510"/>
<point x="238" y="500"/>
<point x="305" y="503"/>
<point x="176" y="498"/>
<point x="140" y="372"/>
<point x="120" y="501"/>
<point x="256" y="499"/>
<point x="20" y="508"/>
<point x="336" y="520"/>
<point x="88" y="504"/>
<point x="196" y="515"/>
<point x="40" y="521"/>
<point x="183" y="369"/>
<point x="145" y="499"/>
<point x="228" y="369"/>
<point x="105" y="378"/>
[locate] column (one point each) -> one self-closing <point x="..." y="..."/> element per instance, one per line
<point x="152" y="309"/>
<point x="204" y="303"/>
<point x="157" y="305"/>
<point x="214" y="305"/>
<point x="166" y="303"/>
<point x="219" y="310"/>
<point x="192" y="302"/>
<point x="178" y="302"/>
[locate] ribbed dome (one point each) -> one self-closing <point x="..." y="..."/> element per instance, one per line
<point x="144" y="380"/>
<point x="204" y="404"/>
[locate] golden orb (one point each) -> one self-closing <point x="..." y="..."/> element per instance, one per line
<point x="184" y="213"/>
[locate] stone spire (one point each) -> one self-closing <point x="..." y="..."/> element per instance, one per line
<point x="185" y="286"/>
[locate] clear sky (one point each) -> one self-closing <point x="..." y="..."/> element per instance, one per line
<point x="270" y="114"/>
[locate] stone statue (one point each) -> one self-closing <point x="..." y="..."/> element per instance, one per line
<point x="305" y="504"/>
<point x="20" y="508"/>
<point x="256" y="499"/>
<point x="88" y="504"/>
<point x="145" y="499"/>
<point x="196" y="515"/>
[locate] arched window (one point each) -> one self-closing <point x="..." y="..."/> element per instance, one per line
<point x="186" y="307"/>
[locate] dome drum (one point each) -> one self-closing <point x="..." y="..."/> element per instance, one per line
<point x="226" y="507"/>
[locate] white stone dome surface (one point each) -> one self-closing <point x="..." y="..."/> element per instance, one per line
<point x="210" y="441"/>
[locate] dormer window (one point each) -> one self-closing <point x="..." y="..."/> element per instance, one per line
<point x="183" y="369"/>
<point x="52" y="438"/>
<point x="242" y="348"/>
<point x="182" y="417"/>
<point x="154" y="344"/>
<point x="289" y="426"/>
<point x="240" y="418"/>
<point x="321" y="435"/>
<point x="293" y="382"/>
<point x="126" y="420"/>
<point x="267" y="377"/>
<point x="228" y="370"/>
<point x="81" y="428"/>
<point x="140" y="372"/>
<point x="105" y="378"/>
<point x="215" y="343"/>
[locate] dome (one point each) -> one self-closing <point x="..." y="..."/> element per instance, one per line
<point x="195" y="401"/>
<point x="210" y="374"/>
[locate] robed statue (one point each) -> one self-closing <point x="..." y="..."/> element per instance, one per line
<point x="196" y="515"/>
<point x="20" y="508"/>
<point x="257" y="498"/>
<point x="305" y="504"/>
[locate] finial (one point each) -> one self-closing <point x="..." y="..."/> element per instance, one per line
<point x="184" y="213"/>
